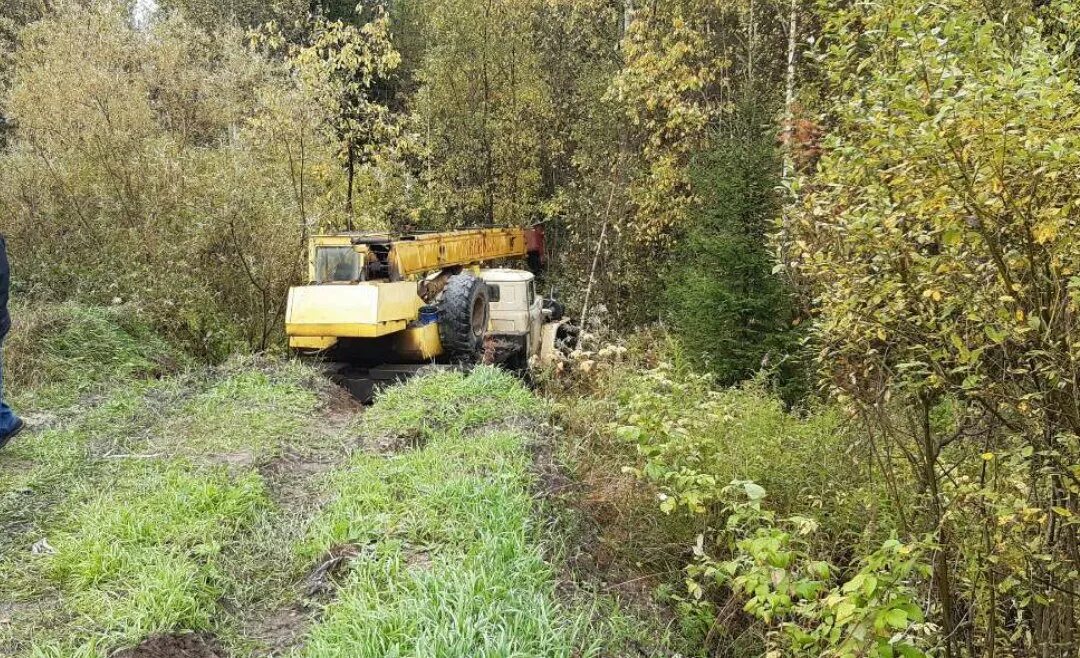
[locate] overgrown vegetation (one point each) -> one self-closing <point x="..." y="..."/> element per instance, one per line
<point x="937" y="237"/>
<point x="890" y="186"/>
<point x="63" y="352"/>
<point x="733" y="491"/>
<point x="451" y="559"/>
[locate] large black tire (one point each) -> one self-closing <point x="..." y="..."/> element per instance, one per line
<point x="463" y="317"/>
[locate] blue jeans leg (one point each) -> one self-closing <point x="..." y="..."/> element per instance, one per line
<point x="8" y="419"/>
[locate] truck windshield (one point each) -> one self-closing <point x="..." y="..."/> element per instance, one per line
<point x="336" y="264"/>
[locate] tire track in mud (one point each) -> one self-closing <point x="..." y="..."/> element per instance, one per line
<point x="296" y="481"/>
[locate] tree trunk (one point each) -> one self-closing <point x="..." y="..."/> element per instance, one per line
<point x="350" y="167"/>
<point x="931" y="449"/>
<point x="788" y="166"/>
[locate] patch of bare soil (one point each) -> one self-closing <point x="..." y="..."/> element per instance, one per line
<point x="15" y="466"/>
<point x="279" y="631"/>
<point x="338" y="405"/>
<point x="418" y="560"/>
<point x="551" y="479"/>
<point x="186" y="645"/>
<point x="242" y="460"/>
<point x="293" y="476"/>
<point x="293" y="481"/>
<point x="41" y="421"/>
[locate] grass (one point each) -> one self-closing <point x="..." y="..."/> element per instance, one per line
<point x="450" y="556"/>
<point x="149" y="541"/>
<point x="153" y="558"/>
<point x="246" y="412"/>
<point x="189" y="501"/>
<point x="58" y="354"/>
<point x="147" y="529"/>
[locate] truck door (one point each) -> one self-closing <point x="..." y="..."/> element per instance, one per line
<point x="536" y="319"/>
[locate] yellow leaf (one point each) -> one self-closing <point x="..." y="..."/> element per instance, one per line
<point x="1044" y="232"/>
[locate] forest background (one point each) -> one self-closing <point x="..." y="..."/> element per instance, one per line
<point x="860" y="216"/>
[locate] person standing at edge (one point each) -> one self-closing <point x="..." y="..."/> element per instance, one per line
<point x="10" y="424"/>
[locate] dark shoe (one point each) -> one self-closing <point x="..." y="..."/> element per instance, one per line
<point x="13" y="433"/>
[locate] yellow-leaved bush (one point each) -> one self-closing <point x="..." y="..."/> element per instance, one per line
<point x="939" y="238"/>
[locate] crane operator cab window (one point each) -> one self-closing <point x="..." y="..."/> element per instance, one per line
<point x="336" y="265"/>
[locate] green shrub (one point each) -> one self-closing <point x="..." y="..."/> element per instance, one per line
<point x="803" y="562"/>
<point x="692" y="439"/>
<point x="684" y="440"/>
<point x="810" y="608"/>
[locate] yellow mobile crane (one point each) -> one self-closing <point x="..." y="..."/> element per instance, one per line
<point x="373" y="299"/>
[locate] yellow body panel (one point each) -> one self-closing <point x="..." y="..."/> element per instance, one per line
<point x="439" y="250"/>
<point x="436" y="251"/>
<point x="420" y="343"/>
<point x="364" y="310"/>
<point x="312" y="342"/>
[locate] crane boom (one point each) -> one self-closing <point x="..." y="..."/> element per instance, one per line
<point x="396" y="258"/>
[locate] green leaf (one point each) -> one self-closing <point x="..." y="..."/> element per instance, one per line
<point x="908" y="651"/>
<point x="667" y="506"/>
<point x="754" y="491"/>
<point x="896" y="618"/>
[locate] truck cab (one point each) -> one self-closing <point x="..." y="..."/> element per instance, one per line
<point x="524" y="329"/>
<point x="517" y="312"/>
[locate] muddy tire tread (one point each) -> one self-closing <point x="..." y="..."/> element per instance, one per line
<point x="455" y="318"/>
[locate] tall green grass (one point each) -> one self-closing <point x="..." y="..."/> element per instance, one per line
<point x="57" y="354"/>
<point x="152" y="531"/>
<point x="147" y="556"/>
<point x="450" y="555"/>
